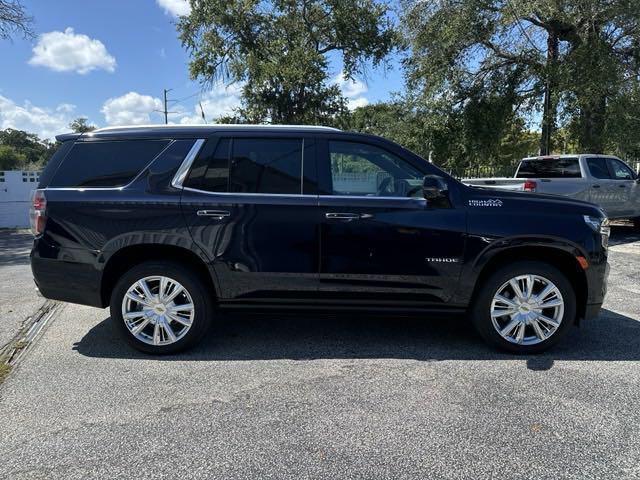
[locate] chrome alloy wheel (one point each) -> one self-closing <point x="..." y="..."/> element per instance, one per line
<point x="157" y="310"/>
<point x="527" y="309"/>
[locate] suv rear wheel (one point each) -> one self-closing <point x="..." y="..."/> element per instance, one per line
<point x="161" y="307"/>
<point x="525" y="307"/>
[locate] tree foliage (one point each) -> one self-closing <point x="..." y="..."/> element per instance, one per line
<point x="278" y="49"/>
<point x="20" y="150"/>
<point x="14" y="20"/>
<point x="81" y="125"/>
<point x="566" y="59"/>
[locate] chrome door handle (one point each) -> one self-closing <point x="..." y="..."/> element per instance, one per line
<point x="595" y="186"/>
<point x="216" y="214"/>
<point x="346" y="216"/>
<point x="622" y="186"/>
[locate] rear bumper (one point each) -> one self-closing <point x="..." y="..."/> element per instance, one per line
<point x="64" y="276"/>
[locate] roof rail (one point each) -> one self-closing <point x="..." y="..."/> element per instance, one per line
<point x="215" y="126"/>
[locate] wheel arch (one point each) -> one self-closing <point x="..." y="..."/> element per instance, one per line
<point x="122" y="260"/>
<point x="560" y="258"/>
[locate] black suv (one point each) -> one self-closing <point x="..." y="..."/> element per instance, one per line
<point x="167" y="224"/>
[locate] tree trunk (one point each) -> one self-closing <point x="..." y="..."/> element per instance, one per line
<point x="549" y="107"/>
<point x="592" y="120"/>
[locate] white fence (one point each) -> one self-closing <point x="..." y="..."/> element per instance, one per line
<point x="15" y="197"/>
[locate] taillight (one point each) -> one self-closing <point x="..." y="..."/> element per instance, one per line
<point x="530" y="186"/>
<point x="37" y="212"/>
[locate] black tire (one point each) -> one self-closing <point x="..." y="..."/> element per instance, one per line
<point x="196" y="288"/>
<point x="636" y="224"/>
<point x="480" y="309"/>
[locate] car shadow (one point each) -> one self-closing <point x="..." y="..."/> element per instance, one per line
<point x="239" y="337"/>
<point x="622" y="233"/>
<point x="15" y="246"/>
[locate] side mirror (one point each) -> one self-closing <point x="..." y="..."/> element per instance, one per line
<point x="434" y="188"/>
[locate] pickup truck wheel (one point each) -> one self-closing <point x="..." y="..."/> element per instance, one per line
<point x="525" y="307"/>
<point x="160" y="307"/>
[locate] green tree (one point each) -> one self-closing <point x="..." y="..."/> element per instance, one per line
<point x="32" y="151"/>
<point x="81" y="125"/>
<point x="279" y="50"/>
<point x="566" y="58"/>
<point x="11" y="159"/>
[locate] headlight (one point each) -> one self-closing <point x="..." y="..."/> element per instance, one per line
<point x="600" y="225"/>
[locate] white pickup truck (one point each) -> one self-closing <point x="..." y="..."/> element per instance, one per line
<point x="602" y="179"/>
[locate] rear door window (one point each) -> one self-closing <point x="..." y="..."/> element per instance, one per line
<point x="598" y="168"/>
<point x="266" y="165"/>
<point x="568" y="167"/>
<point x="255" y="165"/>
<point x="106" y="163"/>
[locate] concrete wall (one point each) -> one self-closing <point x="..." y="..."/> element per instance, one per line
<point x="15" y="197"/>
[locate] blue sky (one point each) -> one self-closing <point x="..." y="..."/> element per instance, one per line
<point x="109" y="61"/>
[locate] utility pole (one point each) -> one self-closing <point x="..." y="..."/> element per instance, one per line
<point x="166" y="110"/>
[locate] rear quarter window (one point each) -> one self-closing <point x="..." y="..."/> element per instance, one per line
<point x="105" y="163"/>
<point x="54" y="162"/>
<point x="568" y="167"/>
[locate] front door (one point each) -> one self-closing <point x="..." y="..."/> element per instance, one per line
<point x="379" y="239"/>
<point x="249" y="208"/>
<point x="625" y="186"/>
<point x="604" y="191"/>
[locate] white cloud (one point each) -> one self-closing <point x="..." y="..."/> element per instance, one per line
<point x="46" y="122"/>
<point x="176" y="8"/>
<point x="218" y="102"/>
<point x="71" y="52"/>
<point x="353" y="90"/>
<point x="354" y="103"/>
<point x="131" y="109"/>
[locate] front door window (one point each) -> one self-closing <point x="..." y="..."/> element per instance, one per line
<point x="359" y="169"/>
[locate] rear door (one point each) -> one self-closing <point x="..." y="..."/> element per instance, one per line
<point x="251" y="206"/>
<point x="379" y="238"/>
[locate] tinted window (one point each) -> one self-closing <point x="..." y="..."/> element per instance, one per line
<point x="54" y="163"/>
<point x="598" y="167"/>
<point x="106" y="164"/>
<point x="620" y="170"/>
<point x="266" y="165"/>
<point x="216" y="173"/>
<point x="550" y="168"/>
<point x="361" y="169"/>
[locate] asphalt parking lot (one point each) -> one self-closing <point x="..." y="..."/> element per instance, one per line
<point x="302" y="396"/>
<point x="18" y="299"/>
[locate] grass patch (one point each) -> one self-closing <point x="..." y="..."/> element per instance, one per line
<point x="4" y="371"/>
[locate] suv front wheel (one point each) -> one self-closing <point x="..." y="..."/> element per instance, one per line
<point x="160" y="307"/>
<point x="525" y="307"/>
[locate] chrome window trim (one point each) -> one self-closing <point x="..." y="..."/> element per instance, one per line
<point x="373" y="197"/>
<point x="296" y="195"/>
<point x="185" y="166"/>
<point x="247" y="194"/>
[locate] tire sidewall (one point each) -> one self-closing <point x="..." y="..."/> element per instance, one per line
<point x="482" y="305"/>
<point x="190" y="281"/>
